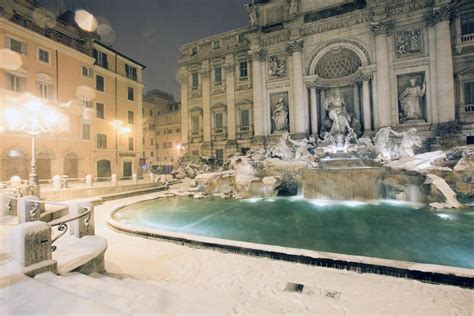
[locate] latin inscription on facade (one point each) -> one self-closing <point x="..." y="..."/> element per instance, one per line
<point x="348" y="21"/>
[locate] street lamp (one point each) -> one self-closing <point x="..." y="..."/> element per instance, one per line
<point x="121" y="129"/>
<point x="30" y="115"/>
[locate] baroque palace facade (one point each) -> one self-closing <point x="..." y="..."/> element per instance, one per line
<point x="400" y="63"/>
<point x="98" y="88"/>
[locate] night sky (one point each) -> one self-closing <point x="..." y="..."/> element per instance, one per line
<point x="151" y="31"/>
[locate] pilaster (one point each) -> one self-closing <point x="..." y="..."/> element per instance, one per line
<point x="183" y="80"/>
<point x="206" y="106"/>
<point x="229" y="68"/>
<point x="295" y="49"/>
<point x="257" y="56"/>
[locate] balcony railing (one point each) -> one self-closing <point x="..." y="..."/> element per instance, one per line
<point x="467" y="38"/>
<point x="219" y="133"/>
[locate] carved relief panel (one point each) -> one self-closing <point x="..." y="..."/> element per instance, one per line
<point x="409" y="42"/>
<point x="277" y="67"/>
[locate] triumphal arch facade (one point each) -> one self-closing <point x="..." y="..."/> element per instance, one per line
<point x="393" y="63"/>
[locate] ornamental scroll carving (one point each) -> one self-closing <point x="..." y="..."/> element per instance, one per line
<point x="258" y="54"/>
<point x="295" y="46"/>
<point x="382" y="28"/>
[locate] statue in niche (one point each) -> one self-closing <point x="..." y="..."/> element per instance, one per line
<point x="293" y="7"/>
<point x="410" y="101"/>
<point x="280" y="115"/>
<point x="408" y="42"/>
<point x="252" y="11"/>
<point x="277" y="67"/>
<point x="337" y="113"/>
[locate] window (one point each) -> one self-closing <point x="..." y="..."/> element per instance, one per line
<point x="130" y="93"/>
<point x="216" y="44"/>
<point x="218" y="74"/>
<point x="170" y="131"/>
<point x="131" y="72"/>
<point x="178" y="130"/>
<point x="151" y="113"/>
<point x="86" y="71"/>
<point x="152" y="154"/>
<point x="244" y="119"/>
<point x="152" y="142"/>
<point x="170" y="107"/>
<point x="86" y="131"/>
<point x="130" y="117"/>
<point x="194" y="51"/>
<point x="16" y="83"/>
<point x="99" y="110"/>
<point x="100" y="58"/>
<point x="195" y="79"/>
<point x="241" y="38"/>
<point x="130" y="143"/>
<point x="467" y="23"/>
<point x="43" y="90"/>
<point x="99" y="83"/>
<point x="243" y="68"/>
<point x="101" y="141"/>
<point x="195" y="123"/>
<point x="176" y="107"/>
<point x="17" y="46"/>
<point x="43" y="55"/>
<point x="219" y="121"/>
<point x="469" y="96"/>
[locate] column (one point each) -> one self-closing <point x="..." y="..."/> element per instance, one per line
<point x="229" y="79"/>
<point x="432" y="109"/>
<point x="257" y="56"/>
<point x="366" y="111"/>
<point x="322" y="96"/>
<point x="444" y="65"/>
<point x="314" y="109"/>
<point x="183" y="80"/>
<point x="384" y="109"/>
<point x="295" y="49"/>
<point x="206" y="100"/>
<point x="355" y="90"/>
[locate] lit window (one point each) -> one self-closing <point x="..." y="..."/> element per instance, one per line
<point x="43" y="55"/>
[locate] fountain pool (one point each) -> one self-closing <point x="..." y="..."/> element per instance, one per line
<point x="387" y="230"/>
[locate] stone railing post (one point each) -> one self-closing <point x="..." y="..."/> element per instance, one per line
<point x="28" y="209"/>
<point x="114" y="179"/>
<point x="83" y="226"/>
<point x="30" y="247"/>
<point x="57" y="182"/>
<point x="134" y="178"/>
<point x="89" y="181"/>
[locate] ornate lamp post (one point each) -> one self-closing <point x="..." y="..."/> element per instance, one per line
<point x="121" y="129"/>
<point x="32" y="116"/>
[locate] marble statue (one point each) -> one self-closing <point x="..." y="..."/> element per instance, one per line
<point x="277" y="67"/>
<point x="252" y="11"/>
<point x="409" y="140"/>
<point x="293" y="7"/>
<point x="388" y="149"/>
<point x="337" y="113"/>
<point x="410" y="100"/>
<point x="281" y="149"/>
<point x="280" y="115"/>
<point x="302" y="148"/>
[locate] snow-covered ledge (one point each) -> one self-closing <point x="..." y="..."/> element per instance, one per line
<point x="424" y="272"/>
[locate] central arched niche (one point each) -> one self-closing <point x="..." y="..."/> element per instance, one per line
<point x="338" y="63"/>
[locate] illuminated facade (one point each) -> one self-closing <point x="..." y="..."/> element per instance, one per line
<point x="60" y="63"/>
<point x="402" y="64"/>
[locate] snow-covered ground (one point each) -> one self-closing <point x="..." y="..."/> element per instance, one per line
<point x="213" y="282"/>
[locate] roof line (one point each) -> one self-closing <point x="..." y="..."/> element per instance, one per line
<point x="119" y="53"/>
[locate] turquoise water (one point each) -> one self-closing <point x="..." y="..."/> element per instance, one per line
<point x="385" y="230"/>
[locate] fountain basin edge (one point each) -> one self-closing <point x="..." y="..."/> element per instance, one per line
<point x="430" y="273"/>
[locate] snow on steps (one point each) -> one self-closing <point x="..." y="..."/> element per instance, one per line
<point x="116" y="296"/>
<point x="28" y="295"/>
